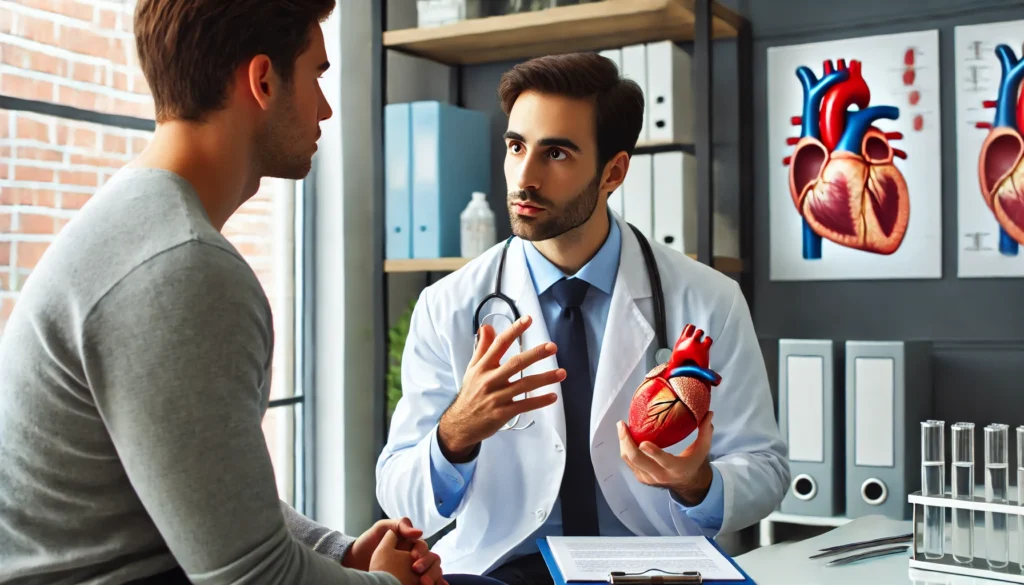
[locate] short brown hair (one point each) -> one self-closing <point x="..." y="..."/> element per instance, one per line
<point x="619" y="102"/>
<point x="188" y="49"/>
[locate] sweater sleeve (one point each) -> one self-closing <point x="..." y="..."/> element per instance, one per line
<point x="330" y="543"/>
<point x="176" y="355"/>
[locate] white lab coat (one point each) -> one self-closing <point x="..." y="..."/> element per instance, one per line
<point x="518" y="473"/>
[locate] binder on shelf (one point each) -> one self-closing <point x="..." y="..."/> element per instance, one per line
<point x="634" y="66"/>
<point x="811" y="417"/>
<point x="638" y="194"/>
<point x="675" y="200"/>
<point x="669" y="93"/>
<point x="888" y="394"/>
<point x="556" y="573"/>
<point x="397" y="182"/>
<point x="450" y="160"/>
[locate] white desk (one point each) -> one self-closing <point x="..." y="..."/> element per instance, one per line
<point x="787" y="563"/>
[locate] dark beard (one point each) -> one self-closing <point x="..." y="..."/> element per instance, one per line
<point x="276" y="152"/>
<point x="559" y="220"/>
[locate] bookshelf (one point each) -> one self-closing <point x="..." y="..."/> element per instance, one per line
<point x="582" y="27"/>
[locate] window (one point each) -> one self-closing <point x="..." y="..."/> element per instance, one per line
<point x="74" y="108"/>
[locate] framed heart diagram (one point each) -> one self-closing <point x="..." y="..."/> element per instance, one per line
<point x="854" y="159"/>
<point x="990" y="149"/>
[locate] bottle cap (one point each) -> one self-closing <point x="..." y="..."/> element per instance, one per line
<point x="478" y="196"/>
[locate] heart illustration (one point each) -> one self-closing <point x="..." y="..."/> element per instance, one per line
<point x="675" y="396"/>
<point x="1001" y="162"/>
<point x="842" y="175"/>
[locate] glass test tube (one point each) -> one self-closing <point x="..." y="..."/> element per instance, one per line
<point x="997" y="541"/>
<point x="933" y="483"/>
<point x="1020" y="495"/>
<point x="963" y="489"/>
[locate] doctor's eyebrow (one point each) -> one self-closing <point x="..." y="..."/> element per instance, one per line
<point x="554" y="141"/>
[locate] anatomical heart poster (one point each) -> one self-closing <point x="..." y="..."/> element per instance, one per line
<point x="854" y="159"/>
<point x="989" y="149"/>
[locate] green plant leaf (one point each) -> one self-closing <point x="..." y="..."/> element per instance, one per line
<point x="397" y="335"/>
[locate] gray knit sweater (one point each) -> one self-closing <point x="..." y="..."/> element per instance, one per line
<point x="134" y="375"/>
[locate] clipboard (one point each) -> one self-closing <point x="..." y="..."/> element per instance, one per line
<point x="556" y="574"/>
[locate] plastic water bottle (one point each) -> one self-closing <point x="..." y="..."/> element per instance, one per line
<point x="477" y="229"/>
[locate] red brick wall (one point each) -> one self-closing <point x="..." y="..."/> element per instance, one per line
<point x="75" y="52"/>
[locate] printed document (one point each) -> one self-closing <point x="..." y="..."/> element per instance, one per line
<point x="594" y="558"/>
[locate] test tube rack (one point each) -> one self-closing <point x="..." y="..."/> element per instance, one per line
<point x="1013" y="572"/>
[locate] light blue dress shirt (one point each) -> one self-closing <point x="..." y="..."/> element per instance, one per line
<point x="450" y="481"/>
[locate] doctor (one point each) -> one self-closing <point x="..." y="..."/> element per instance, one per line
<point x="562" y="377"/>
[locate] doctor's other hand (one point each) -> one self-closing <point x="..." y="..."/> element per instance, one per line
<point x="411" y="565"/>
<point x="486" y="400"/>
<point x="688" y="474"/>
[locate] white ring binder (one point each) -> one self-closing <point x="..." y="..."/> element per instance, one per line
<point x="799" y="492"/>
<point x="883" y="491"/>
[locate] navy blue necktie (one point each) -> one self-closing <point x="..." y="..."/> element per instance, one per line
<point x="578" y="491"/>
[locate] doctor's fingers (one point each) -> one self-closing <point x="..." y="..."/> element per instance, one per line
<point x="641" y="475"/>
<point x="701" y="446"/>
<point x="505" y="339"/>
<point x="521" y="361"/>
<point x="531" y="383"/>
<point x="485" y="336"/>
<point x="527" y="404"/>
<point x="636" y="459"/>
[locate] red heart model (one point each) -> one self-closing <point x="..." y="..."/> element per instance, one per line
<point x="674" y="397"/>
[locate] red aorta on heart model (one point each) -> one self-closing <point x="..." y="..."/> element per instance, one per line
<point x="675" y="396"/>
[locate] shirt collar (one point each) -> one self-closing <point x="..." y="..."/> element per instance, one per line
<point x="599" y="272"/>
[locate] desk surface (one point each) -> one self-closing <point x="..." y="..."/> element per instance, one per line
<point x="787" y="563"/>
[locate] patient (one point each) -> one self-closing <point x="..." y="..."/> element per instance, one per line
<point x="135" y="369"/>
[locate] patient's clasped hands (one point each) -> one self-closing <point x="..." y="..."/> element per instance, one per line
<point x="395" y="547"/>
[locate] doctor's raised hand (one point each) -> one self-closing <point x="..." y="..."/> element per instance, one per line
<point x="486" y="400"/>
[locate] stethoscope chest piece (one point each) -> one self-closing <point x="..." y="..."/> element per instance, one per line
<point x="663" y="355"/>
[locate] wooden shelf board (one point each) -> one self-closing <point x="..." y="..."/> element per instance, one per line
<point x="582" y="27"/>
<point x="425" y="264"/>
<point x="723" y="264"/>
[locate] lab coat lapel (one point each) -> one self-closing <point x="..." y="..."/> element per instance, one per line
<point x="518" y="275"/>
<point x="627" y="334"/>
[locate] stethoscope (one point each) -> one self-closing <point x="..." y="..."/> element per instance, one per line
<point x="662" y="355"/>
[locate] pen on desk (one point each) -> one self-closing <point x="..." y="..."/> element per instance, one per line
<point x="842" y="548"/>
<point x="883" y="552"/>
